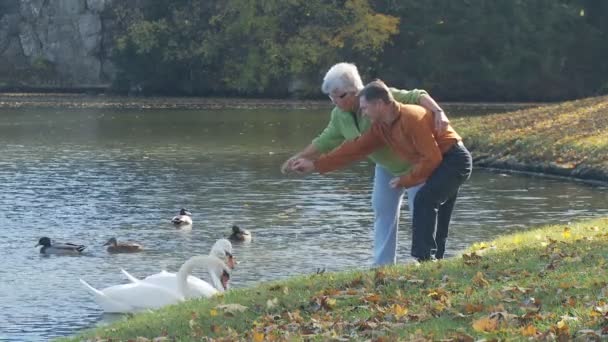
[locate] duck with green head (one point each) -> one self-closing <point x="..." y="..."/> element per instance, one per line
<point x="49" y="247"/>
<point x="239" y="234"/>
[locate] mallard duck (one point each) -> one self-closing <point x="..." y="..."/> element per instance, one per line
<point x="146" y="294"/>
<point x="184" y="218"/>
<point x="122" y="247"/>
<point x="58" y="248"/>
<point x="239" y="235"/>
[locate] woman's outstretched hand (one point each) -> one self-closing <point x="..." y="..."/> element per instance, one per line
<point x="303" y="165"/>
<point x="287" y="166"/>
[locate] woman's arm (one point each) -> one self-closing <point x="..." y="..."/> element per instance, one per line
<point x="441" y="121"/>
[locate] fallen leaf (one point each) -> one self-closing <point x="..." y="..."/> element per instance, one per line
<point x="566" y="233"/>
<point x="479" y="280"/>
<point x="231" y="308"/>
<point x="473" y="308"/>
<point x="373" y="298"/>
<point x="529" y="331"/>
<point x="213" y="312"/>
<point x="271" y="303"/>
<point x="258" y="336"/>
<point x="486" y="324"/>
<point x="399" y="311"/>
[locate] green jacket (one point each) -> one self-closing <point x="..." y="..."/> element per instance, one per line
<point x="347" y="126"/>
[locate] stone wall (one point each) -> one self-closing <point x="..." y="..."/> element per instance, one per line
<point x="55" y="44"/>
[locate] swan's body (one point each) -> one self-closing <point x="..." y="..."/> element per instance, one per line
<point x="184" y="218"/>
<point x="122" y="247"/>
<point x="58" y="248"/>
<point x="141" y="295"/>
<point x="196" y="287"/>
<point x="133" y="297"/>
<point x="240" y="235"/>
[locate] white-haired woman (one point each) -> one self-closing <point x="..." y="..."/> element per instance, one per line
<point x="341" y="83"/>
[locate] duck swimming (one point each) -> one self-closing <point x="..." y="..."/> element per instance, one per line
<point x="122" y="247"/>
<point x="58" y="248"/>
<point x="142" y="295"/>
<point x="184" y="218"/>
<point x="239" y="235"/>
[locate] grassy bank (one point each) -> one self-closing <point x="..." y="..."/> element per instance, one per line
<point x="566" y="139"/>
<point x="545" y="283"/>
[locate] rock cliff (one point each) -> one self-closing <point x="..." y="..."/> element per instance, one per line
<point x="55" y="44"/>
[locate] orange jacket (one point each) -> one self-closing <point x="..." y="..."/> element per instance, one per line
<point x="410" y="136"/>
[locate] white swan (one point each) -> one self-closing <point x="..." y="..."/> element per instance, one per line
<point x="196" y="287"/>
<point x="143" y="295"/>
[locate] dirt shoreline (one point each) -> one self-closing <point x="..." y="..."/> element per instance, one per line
<point x="587" y="175"/>
<point x="100" y="101"/>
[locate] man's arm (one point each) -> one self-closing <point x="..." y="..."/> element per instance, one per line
<point x="350" y="151"/>
<point x="327" y="140"/>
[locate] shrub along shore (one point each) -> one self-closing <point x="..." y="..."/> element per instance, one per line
<point x="546" y="283"/>
<point x="567" y="139"/>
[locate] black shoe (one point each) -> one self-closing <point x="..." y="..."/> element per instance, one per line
<point x="429" y="259"/>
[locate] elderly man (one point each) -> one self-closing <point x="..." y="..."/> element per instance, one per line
<point x="342" y="82"/>
<point x="441" y="163"/>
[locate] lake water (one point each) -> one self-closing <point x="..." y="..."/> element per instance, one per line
<point x="83" y="176"/>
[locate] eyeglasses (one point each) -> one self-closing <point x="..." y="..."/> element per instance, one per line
<point x="338" y="97"/>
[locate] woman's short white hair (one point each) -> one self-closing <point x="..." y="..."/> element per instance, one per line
<point x="342" y="77"/>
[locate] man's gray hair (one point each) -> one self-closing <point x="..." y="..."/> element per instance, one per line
<point x="376" y="90"/>
<point x="342" y="77"/>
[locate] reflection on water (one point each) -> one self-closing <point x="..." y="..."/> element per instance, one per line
<point x="86" y="176"/>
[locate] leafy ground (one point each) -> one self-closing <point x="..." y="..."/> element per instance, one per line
<point x="569" y="138"/>
<point x="544" y="284"/>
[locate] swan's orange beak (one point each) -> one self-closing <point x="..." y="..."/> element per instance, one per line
<point x="231" y="262"/>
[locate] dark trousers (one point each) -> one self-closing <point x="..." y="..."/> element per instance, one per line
<point x="435" y="201"/>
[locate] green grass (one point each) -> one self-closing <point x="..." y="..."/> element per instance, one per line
<point x="567" y="135"/>
<point x="546" y="283"/>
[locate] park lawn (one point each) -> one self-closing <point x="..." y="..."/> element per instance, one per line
<point x="545" y="283"/>
<point x="571" y="136"/>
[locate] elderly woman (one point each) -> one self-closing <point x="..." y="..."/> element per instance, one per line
<point x="440" y="163"/>
<point x="342" y="83"/>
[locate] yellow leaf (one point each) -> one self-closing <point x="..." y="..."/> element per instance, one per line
<point x="213" y="312"/>
<point x="399" y="310"/>
<point x="258" y="336"/>
<point x="566" y="233"/>
<point x="529" y="330"/>
<point x="486" y="324"/>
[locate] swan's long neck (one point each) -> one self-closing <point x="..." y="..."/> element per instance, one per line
<point x="184" y="272"/>
<point x="188" y="266"/>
